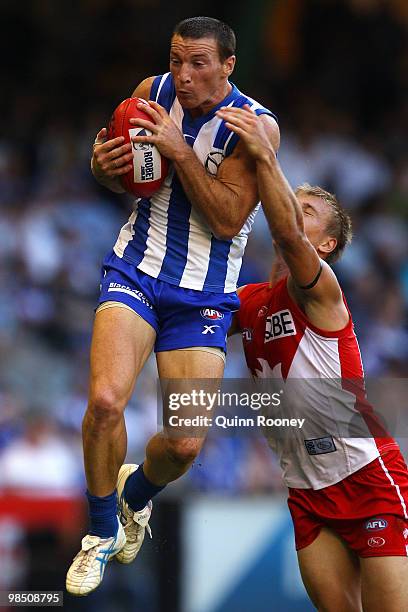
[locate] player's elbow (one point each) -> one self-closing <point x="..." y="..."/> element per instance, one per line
<point x="226" y="230"/>
<point x="223" y="234"/>
<point x="228" y="217"/>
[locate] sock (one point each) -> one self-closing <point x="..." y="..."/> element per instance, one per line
<point x="102" y="513"/>
<point x="139" y="490"/>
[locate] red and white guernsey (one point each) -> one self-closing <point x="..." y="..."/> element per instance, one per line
<point x="280" y="343"/>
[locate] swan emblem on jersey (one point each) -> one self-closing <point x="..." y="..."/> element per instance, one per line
<point x="266" y="371"/>
<point x="213" y="161"/>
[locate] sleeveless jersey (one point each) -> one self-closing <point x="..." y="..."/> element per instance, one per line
<point x="165" y="236"/>
<point x="281" y="343"/>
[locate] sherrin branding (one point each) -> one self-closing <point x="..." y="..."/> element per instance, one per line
<point x="149" y="168"/>
<point x="146" y="159"/>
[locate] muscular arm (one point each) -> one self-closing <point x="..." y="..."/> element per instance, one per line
<point x="111" y="158"/>
<point x="323" y="302"/>
<point x="224" y="201"/>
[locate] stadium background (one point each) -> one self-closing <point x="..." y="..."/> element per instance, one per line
<point x="335" y="73"/>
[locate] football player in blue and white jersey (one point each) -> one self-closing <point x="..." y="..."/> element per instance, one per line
<point x="169" y="283"/>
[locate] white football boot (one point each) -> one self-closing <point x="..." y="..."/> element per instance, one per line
<point x="87" y="569"/>
<point x="134" y="523"/>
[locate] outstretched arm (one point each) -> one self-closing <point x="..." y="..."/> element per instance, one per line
<point x="285" y="219"/>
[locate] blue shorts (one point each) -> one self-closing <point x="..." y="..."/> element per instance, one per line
<point x="181" y="317"/>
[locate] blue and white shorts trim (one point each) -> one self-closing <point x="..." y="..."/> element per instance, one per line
<point x="182" y="318"/>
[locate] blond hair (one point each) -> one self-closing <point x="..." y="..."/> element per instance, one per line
<point x="339" y="225"/>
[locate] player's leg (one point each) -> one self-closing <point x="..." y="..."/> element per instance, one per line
<point x="331" y="575"/>
<point x="384" y="584"/>
<point x="121" y="343"/>
<point x="190" y="345"/>
<point x="384" y="546"/>
<point x="170" y="454"/>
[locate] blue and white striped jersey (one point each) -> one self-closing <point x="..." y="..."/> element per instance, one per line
<point x="165" y="236"/>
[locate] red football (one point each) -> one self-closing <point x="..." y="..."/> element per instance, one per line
<point x="149" y="166"/>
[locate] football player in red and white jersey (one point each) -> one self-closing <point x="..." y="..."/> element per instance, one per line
<point x="348" y="496"/>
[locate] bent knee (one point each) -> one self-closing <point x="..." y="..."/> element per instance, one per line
<point x="183" y="452"/>
<point x="106" y="405"/>
<point x="337" y="600"/>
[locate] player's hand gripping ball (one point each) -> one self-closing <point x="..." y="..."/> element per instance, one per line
<point x="149" y="166"/>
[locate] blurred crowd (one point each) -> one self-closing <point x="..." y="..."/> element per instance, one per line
<point x="335" y="74"/>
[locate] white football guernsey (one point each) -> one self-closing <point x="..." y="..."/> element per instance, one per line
<point x="165" y="237"/>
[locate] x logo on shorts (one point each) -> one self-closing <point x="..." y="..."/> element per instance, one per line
<point x="209" y="329"/>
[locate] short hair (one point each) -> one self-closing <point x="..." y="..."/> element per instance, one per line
<point x="202" y="27"/>
<point x="339" y="224"/>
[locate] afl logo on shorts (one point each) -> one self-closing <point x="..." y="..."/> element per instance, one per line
<point x="376" y="524"/>
<point x="376" y="542"/>
<point x="211" y="315"/>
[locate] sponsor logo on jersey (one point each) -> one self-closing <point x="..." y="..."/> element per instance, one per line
<point x="376" y="542"/>
<point x="376" y="524"/>
<point x="211" y="314"/>
<point x="279" y="325"/>
<point x="320" y="446"/>
<point x="213" y="161"/>
<point x="247" y="334"/>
